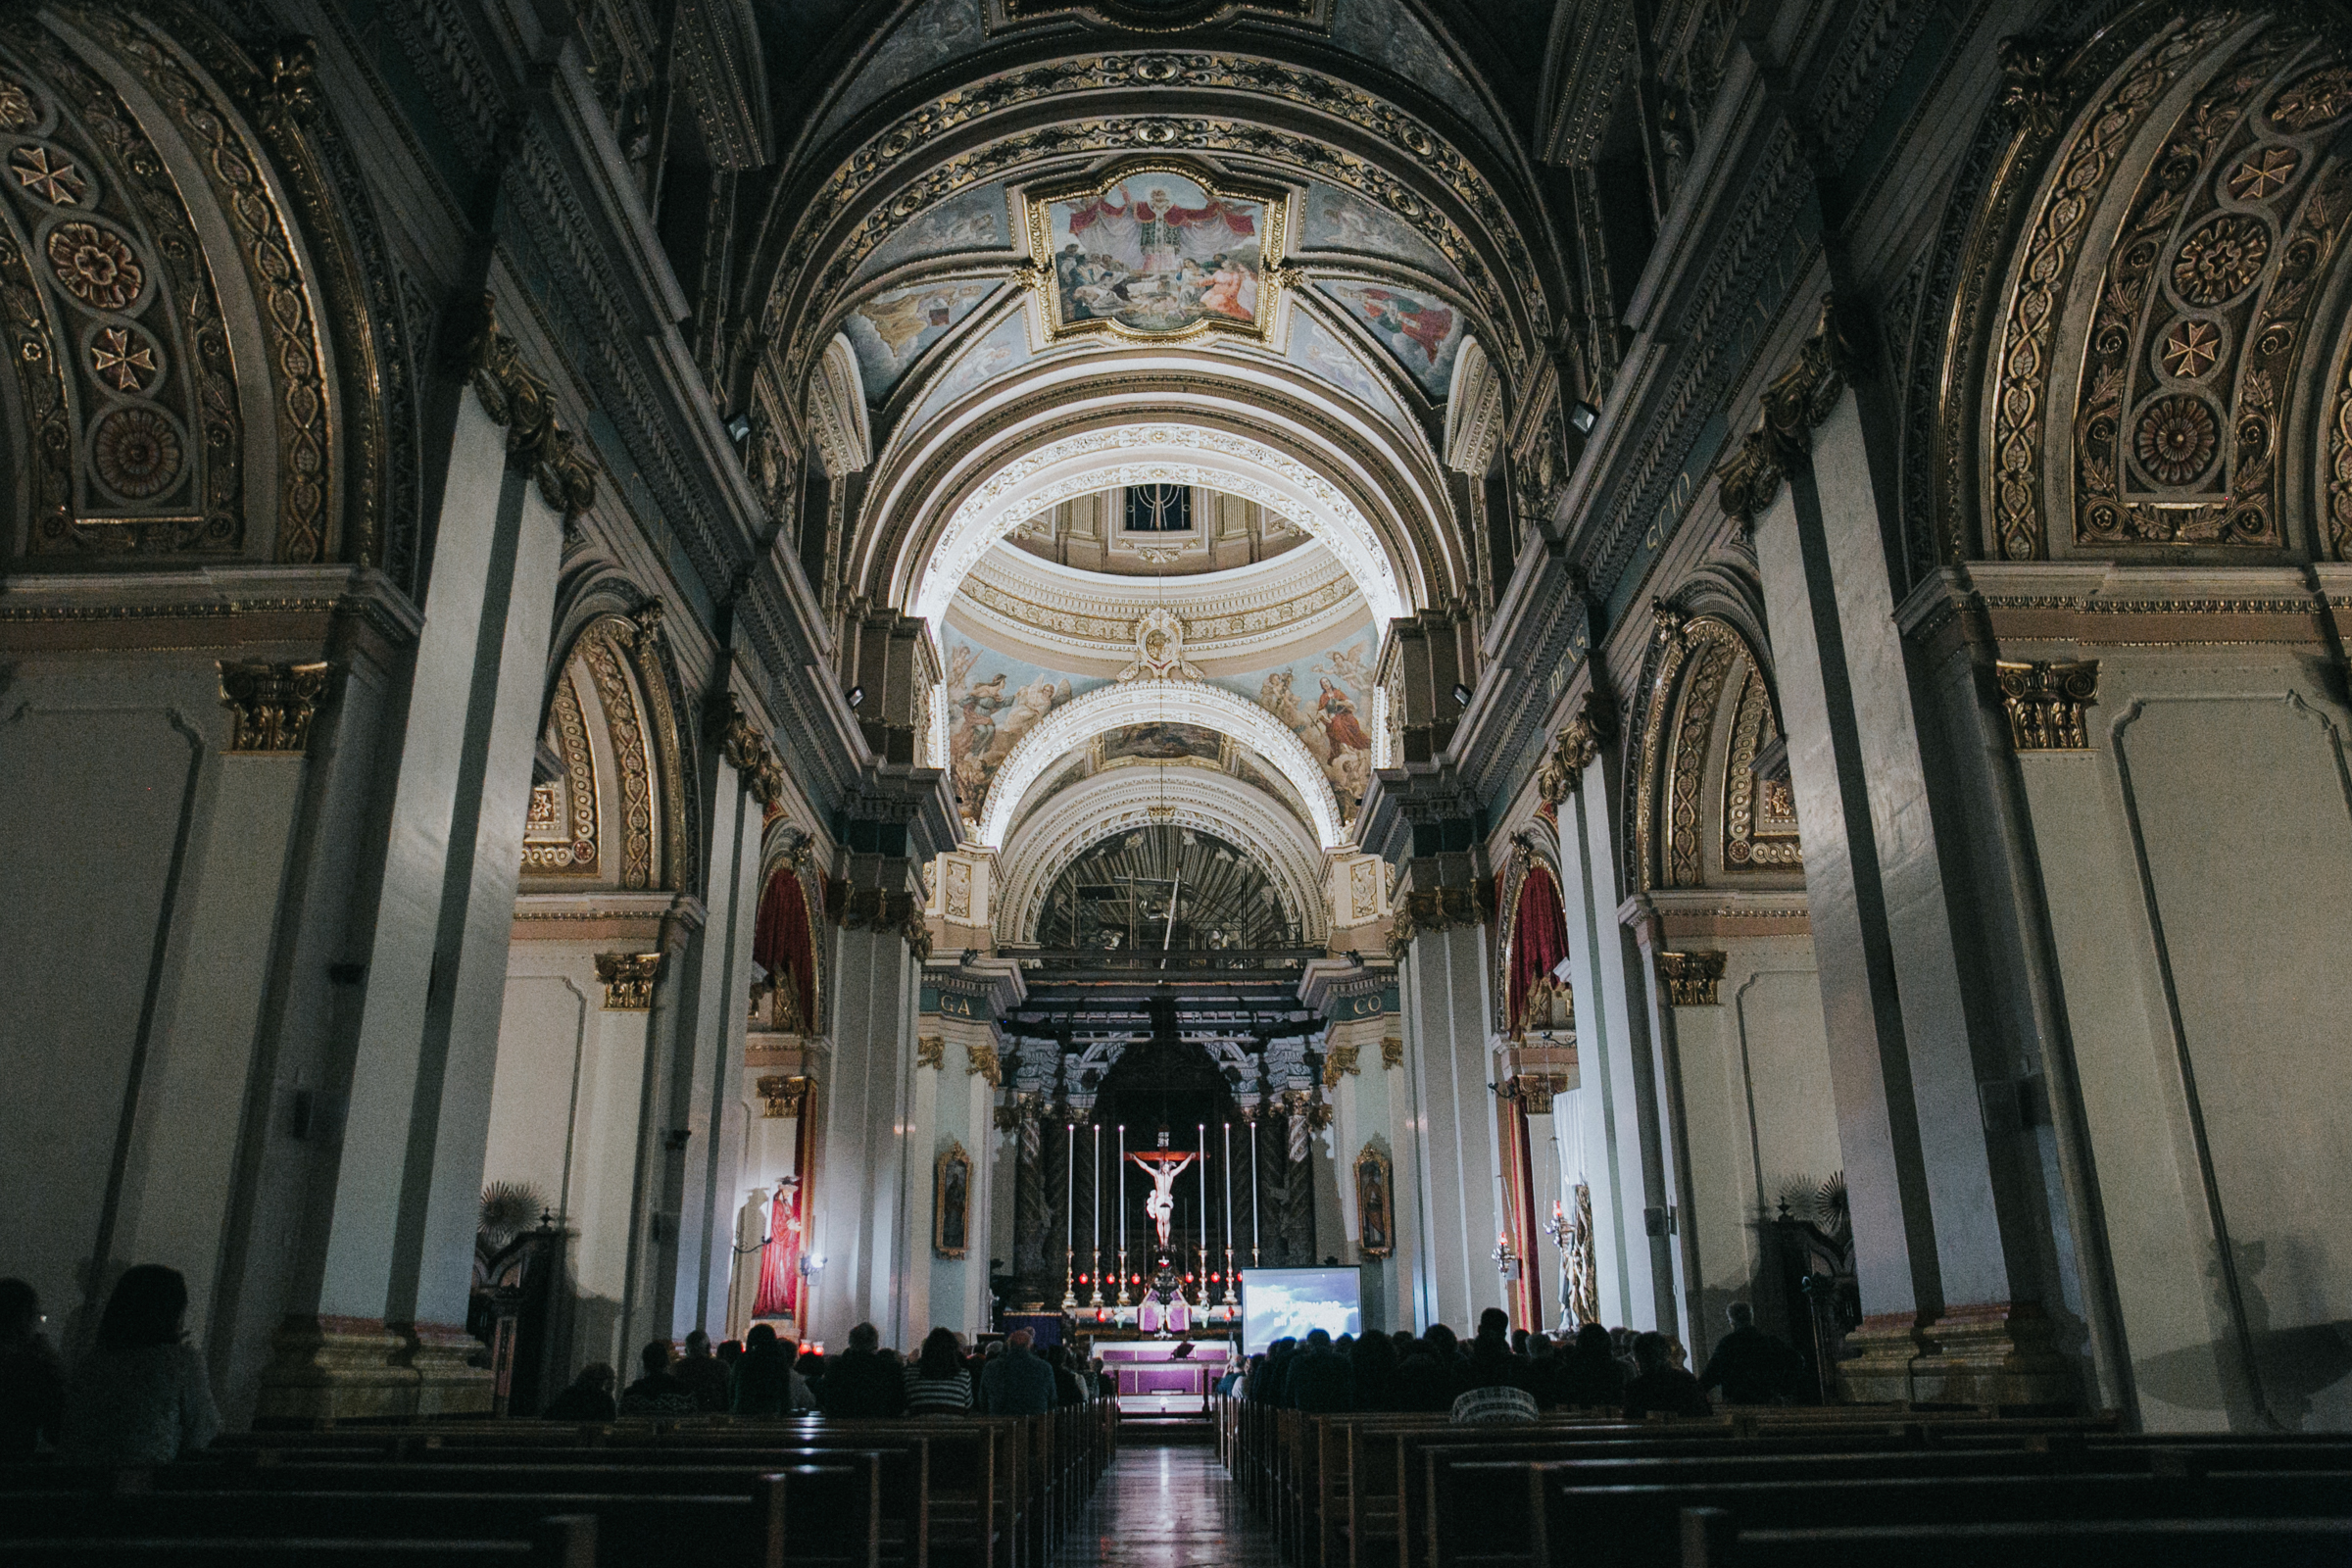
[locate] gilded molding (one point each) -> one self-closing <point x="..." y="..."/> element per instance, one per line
<point x="519" y="398"/>
<point x="1392" y="1051"/>
<point x="2045" y="702"/>
<point x="628" y="980"/>
<point x="1430" y="909"/>
<point x="785" y="1095"/>
<point x="1693" y="979"/>
<point x="1592" y="726"/>
<point x="1339" y="1059"/>
<point x="272" y="706"/>
<point x="1795" y="403"/>
<point x="930" y="1051"/>
<point x="980" y="1060"/>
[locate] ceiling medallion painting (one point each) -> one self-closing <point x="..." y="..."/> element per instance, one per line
<point x="1157" y="251"/>
<point x="1161" y="15"/>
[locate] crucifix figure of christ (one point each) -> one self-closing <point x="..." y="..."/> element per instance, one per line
<point x="1164" y="1166"/>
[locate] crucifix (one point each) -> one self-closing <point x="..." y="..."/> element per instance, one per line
<point x="1164" y="1165"/>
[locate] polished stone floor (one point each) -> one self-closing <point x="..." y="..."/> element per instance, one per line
<point x="1172" y="1507"/>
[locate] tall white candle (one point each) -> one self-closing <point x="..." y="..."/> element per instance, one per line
<point x="1254" y="1194"/>
<point x="1098" y="1202"/>
<point x="1229" y="1187"/>
<point x="1122" y="1202"/>
<point x="1200" y="1140"/>
<point x="1070" y="1186"/>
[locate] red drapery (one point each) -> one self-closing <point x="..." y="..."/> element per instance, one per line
<point x="781" y="1260"/>
<point x="782" y="943"/>
<point x="1538" y="937"/>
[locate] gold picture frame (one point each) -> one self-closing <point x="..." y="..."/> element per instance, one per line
<point x="1171" y="258"/>
<point x="1375" y="1204"/>
<point x="951" y="1201"/>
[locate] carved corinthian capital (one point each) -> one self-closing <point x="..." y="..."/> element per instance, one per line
<point x="272" y="706"/>
<point x="1798" y="398"/>
<point x="2045" y="702"/>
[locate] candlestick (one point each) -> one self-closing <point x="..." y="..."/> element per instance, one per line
<point x="1097" y="1206"/>
<point x="1122" y="1220"/>
<point x="1069" y="1216"/>
<point x="1200" y="1138"/>
<point x="1561" y="1229"/>
<point x="1229" y="1302"/>
<point x="1254" y="1195"/>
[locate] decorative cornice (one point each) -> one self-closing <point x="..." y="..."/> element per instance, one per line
<point x="272" y="706"/>
<point x="519" y="398"/>
<point x="1693" y="979"/>
<point x="2044" y="701"/>
<point x="629" y="979"/>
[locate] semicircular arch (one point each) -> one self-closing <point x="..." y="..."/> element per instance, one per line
<point x="1147" y="702"/>
<point x="1076" y="820"/>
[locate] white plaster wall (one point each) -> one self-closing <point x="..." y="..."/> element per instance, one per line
<point x="2188" y="860"/>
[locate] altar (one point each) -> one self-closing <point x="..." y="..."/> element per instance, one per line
<point x="1153" y="1379"/>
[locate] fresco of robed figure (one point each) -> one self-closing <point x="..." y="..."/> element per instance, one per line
<point x="1158" y="253"/>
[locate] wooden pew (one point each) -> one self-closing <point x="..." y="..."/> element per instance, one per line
<point x="562" y="1541"/>
<point x="1712" y="1540"/>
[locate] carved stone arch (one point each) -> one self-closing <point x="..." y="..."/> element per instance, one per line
<point x="205" y="331"/>
<point x="616" y="664"/>
<point x="1701" y="814"/>
<point x="2144" y="338"/>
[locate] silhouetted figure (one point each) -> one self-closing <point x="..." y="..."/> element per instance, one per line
<point x="1322" y="1380"/>
<point x="1749" y="1366"/>
<point x="1588" y="1372"/>
<point x="659" y="1393"/>
<point x="141" y="1396"/>
<point x="33" y="1382"/>
<point x="1017" y="1383"/>
<point x="765" y="1383"/>
<point x="1431" y="1376"/>
<point x="861" y="1383"/>
<point x="937" y="1383"/>
<point x="589" y="1398"/>
<point x="704" y="1374"/>
<point x="1491" y="1365"/>
<point x="1375" y="1364"/>
<point x="1663" y="1386"/>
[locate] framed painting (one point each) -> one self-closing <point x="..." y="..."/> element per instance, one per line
<point x="1157" y="251"/>
<point x="1375" y="1215"/>
<point x="951" y="1201"/>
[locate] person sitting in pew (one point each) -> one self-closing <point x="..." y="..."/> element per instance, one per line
<point x="937" y="1383"/>
<point x="861" y="1383"/>
<point x="659" y="1393"/>
<point x="1322" y="1380"/>
<point x="1374" y="1361"/>
<point x="704" y="1374"/>
<point x="1067" y="1387"/>
<point x="1589" y="1374"/>
<point x="1017" y="1383"/>
<point x="765" y="1383"/>
<point x="32" y="1382"/>
<point x="1491" y="1365"/>
<point x="142" y="1397"/>
<point x="1749" y="1366"/>
<point x="1431" y="1376"/>
<point x="1663" y="1386"/>
<point x="589" y="1398"/>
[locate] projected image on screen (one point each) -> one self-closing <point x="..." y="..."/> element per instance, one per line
<point x="1288" y="1303"/>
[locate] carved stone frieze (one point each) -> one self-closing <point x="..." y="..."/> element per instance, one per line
<point x="2045" y="702"/>
<point x="628" y="980"/>
<point x="1693" y="979"/>
<point x="272" y="706"/>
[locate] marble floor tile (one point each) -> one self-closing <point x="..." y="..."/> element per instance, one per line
<point x="1168" y="1508"/>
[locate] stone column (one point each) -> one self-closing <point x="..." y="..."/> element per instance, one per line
<point x="396" y="1254"/>
<point x="1946" y="1246"/>
<point x="1623" y="1131"/>
<point x="859" y="1231"/>
<point x="1029" y="1267"/>
<point x="1440" y="943"/>
<point x="1363" y="1082"/>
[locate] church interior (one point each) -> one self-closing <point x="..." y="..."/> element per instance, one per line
<point x="1090" y="671"/>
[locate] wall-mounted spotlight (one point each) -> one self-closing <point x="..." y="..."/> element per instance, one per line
<point x="857" y="698"/>
<point x="1583" y="415"/>
<point x="1461" y="695"/>
<point x="739" y="427"/>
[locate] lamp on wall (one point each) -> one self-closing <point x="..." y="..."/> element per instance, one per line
<point x="1583" y="415"/>
<point x="1506" y="1258"/>
<point x="857" y="698"/>
<point x="1461" y="695"/>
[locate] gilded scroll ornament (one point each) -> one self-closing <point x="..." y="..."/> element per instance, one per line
<point x="1693" y="979"/>
<point x="1593" y="726"/>
<point x="2314" y="100"/>
<point x="1795" y="403"/>
<point x="784" y="1094"/>
<point x="519" y="398"/>
<point x="748" y="752"/>
<point x="17" y="110"/>
<point x="629" y="979"/>
<point x="930" y="1051"/>
<point x="980" y="1060"/>
<point x="2045" y="702"/>
<point x="270" y="705"/>
<point x="1392" y="1051"/>
<point x="2034" y="82"/>
<point x="1341" y="1059"/>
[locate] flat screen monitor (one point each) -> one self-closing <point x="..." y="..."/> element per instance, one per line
<point x="1286" y="1302"/>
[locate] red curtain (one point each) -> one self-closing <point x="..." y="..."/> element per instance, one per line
<point x="1538" y="937"/>
<point x="781" y="1260"/>
<point x="782" y="943"/>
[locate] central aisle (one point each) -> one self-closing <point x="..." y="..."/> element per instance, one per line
<point x="1172" y="1507"/>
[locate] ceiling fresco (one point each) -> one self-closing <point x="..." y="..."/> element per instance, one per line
<point x="891" y="331"/>
<point x="972" y="221"/>
<point x="1421" y="331"/>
